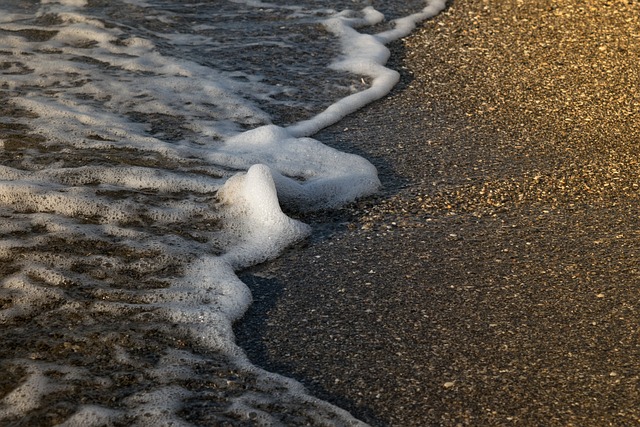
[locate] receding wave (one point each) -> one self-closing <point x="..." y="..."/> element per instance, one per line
<point x="147" y="149"/>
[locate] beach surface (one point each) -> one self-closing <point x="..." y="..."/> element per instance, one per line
<point x="495" y="278"/>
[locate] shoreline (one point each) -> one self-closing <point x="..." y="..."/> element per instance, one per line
<point x="494" y="279"/>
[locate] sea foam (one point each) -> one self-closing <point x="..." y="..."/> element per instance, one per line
<point x="141" y="168"/>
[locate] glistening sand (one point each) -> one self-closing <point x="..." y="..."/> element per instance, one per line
<point x="495" y="280"/>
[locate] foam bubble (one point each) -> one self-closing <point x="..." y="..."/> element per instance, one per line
<point x="308" y="175"/>
<point x="262" y="228"/>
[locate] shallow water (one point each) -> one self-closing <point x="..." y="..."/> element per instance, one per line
<point x="146" y="149"/>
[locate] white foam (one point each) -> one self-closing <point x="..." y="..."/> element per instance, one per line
<point x="6" y="16"/>
<point x="27" y="396"/>
<point x="75" y="3"/>
<point x="69" y="202"/>
<point x="26" y="296"/>
<point x="36" y="385"/>
<point x="174" y="365"/>
<point x="404" y="26"/>
<point x="364" y="55"/>
<point x="131" y="178"/>
<point x="263" y="230"/>
<point x="92" y="416"/>
<point x="106" y="98"/>
<point x="308" y="175"/>
<point x="158" y="407"/>
<point x="139" y="3"/>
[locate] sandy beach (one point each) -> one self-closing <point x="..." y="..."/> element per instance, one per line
<point x="495" y="278"/>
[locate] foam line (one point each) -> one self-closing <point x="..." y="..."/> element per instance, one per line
<point x="364" y="55"/>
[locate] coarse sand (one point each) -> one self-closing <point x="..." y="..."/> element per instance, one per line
<point x="495" y="279"/>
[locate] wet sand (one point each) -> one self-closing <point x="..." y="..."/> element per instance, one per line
<point x="495" y="278"/>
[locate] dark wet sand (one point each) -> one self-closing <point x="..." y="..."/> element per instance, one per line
<point x="495" y="279"/>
